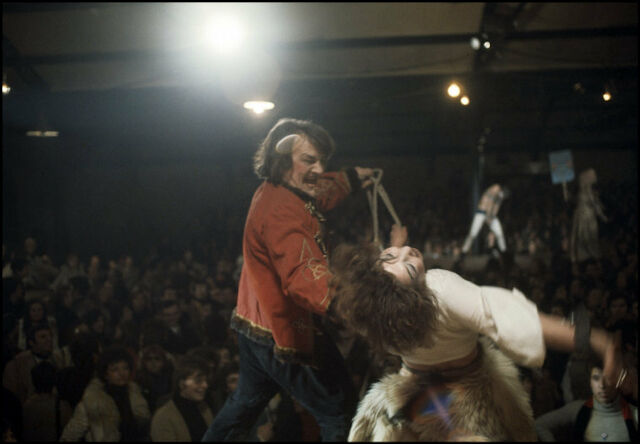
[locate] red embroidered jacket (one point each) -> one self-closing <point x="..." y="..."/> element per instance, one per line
<point x="284" y="278"/>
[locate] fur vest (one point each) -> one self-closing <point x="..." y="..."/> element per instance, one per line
<point x="487" y="403"/>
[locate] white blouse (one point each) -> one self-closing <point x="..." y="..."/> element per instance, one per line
<point x="466" y="310"/>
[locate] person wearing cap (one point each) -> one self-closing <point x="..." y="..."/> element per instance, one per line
<point x="283" y="288"/>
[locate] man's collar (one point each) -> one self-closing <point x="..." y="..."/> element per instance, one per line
<point x="298" y="192"/>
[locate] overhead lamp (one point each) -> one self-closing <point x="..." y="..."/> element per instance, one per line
<point x="606" y="96"/>
<point x="453" y="90"/>
<point x="475" y="43"/>
<point x="487" y="44"/>
<point x="224" y="33"/>
<point x="258" y="106"/>
<point x="464" y="100"/>
<point x="37" y="133"/>
<point x="5" y="88"/>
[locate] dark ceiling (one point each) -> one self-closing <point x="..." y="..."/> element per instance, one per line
<point x="374" y="74"/>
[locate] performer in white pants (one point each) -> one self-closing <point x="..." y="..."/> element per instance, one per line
<point x="488" y="212"/>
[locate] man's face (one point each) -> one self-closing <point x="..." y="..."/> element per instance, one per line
<point x="618" y="308"/>
<point x="601" y="392"/>
<point x="306" y="167"/>
<point x="43" y="342"/>
<point x="171" y="315"/>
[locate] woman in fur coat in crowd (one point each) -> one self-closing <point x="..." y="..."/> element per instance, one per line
<point x="453" y="384"/>
<point x="112" y="407"/>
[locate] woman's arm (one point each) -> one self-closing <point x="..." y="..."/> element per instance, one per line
<point x="398" y="236"/>
<point x="560" y="335"/>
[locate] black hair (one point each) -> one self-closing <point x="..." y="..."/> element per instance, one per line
<point x="111" y="355"/>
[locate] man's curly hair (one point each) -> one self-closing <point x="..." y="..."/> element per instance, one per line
<point x="391" y="316"/>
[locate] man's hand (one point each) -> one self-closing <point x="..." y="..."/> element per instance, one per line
<point x="364" y="174"/>
<point x="398" y="235"/>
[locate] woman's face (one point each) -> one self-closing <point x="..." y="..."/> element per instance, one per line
<point x="36" y="312"/>
<point x="405" y="263"/>
<point x="153" y="363"/>
<point x="194" y="388"/>
<point x="118" y="373"/>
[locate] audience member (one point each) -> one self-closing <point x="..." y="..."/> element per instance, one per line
<point x="186" y="416"/>
<point x="73" y="380"/>
<point x="44" y="413"/>
<point x="112" y="407"/>
<point x="604" y="416"/>
<point x="155" y="375"/>
<point x="17" y="373"/>
<point x="181" y="335"/>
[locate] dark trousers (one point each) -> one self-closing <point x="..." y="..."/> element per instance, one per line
<point x="325" y="393"/>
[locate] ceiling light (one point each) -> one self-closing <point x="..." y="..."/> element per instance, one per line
<point x="487" y="44"/>
<point x="606" y="96"/>
<point x="224" y="33"/>
<point x="464" y="100"/>
<point x="36" y="133"/>
<point x="258" y="106"/>
<point x="453" y="90"/>
<point x="5" y="88"/>
<point x="475" y="43"/>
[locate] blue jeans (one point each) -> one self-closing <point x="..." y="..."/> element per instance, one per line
<point x="324" y="393"/>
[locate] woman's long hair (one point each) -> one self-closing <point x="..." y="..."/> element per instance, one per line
<point x="391" y="316"/>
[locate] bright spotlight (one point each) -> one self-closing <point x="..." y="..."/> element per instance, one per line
<point x="5" y="88"/>
<point x="464" y="100"/>
<point x="258" y="107"/>
<point x="487" y="44"/>
<point x="224" y="33"/>
<point x="453" y="90"/>
<point x="475" y="43"/>
<point x="606" y="96"/>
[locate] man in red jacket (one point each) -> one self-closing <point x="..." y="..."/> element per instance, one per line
<point x="284" y="285"/>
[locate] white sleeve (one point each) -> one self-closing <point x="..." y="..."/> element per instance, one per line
<point x="507" y="317"/>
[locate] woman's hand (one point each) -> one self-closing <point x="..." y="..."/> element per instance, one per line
<point x="615" y="373"/>
<point x="365" y="174"/>
<point x="398" y="235"/>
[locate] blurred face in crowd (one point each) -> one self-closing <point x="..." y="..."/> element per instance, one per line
<point x="138" y="301"/>
<point x="224" y="357"/>
<point x="118" y="373"/>
<point x="621" y="280"/>
<point x="36" y="312"/>
<point x="106" y="292"/>
<point x="232" y="382"/>
<point x="170" y="294"/>
<point x="94" y="262"/>
<point x="560" y="293"/>
<point x="618" y="308"/>
<point x="306" y="167"/>
<point x="194" y="388"/>
<point x="98" y="325"/>
<point x="594" y="299"/>
<point x="153" y="362"/>
<point x="404" y="263"/>
<point x="200" y="291"/>
<point x="72" y="260"/>
<point x="30" y="245"/>
<point x="601" y="392"/>
<point x="43" y="342"/>
<point x="171" y="315"/>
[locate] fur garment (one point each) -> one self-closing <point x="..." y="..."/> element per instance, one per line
<point x="487" y="403"/>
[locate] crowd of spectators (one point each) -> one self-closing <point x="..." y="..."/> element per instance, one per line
<point x="139" y="347"/>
